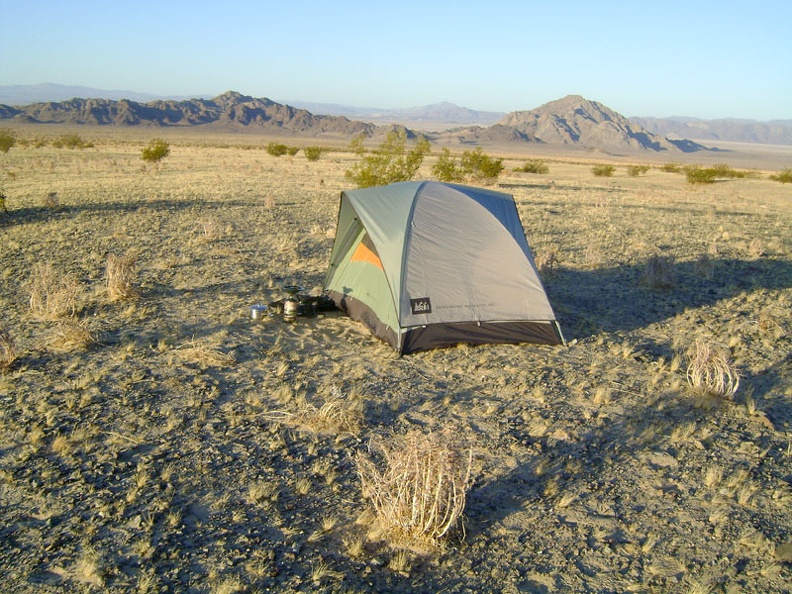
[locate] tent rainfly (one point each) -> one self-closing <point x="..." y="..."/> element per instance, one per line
<point x="429" y="264"/>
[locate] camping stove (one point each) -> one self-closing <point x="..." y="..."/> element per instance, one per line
<point x="292" y="303"/>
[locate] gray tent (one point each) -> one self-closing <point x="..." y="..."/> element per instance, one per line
<point x="429" y="264"/>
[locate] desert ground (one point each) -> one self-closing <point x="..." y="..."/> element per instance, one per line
<point x="163" y="441"/>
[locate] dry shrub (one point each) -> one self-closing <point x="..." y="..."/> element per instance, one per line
<point x="337" y="416"/>
<point x="70" y="337"/>
<point x="659" y="272"/>
<point x="704" y="266"/>
<point x="8" y="352"/>
<point x="52" y="201"/>
<point x="120" y="277"/>
<point x="711" y="373"/>
<point x="205" y="356"/>
<point x="53" y="294"/>
<point x="756" y="249"/>
<point x="547" y="262"/>
<point x="210" y="229"/>
<point x="418" y="484"/>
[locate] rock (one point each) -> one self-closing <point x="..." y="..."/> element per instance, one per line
<point x="783" y="552"/>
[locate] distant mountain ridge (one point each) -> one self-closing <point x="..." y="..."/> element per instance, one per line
<point x="47" y="92"/>
<point x="229" y="111"/>
<point x="576" y="120"/>
<point x="573" y="121"/>
<point x="732" y="130"/>
<point x="442" y="114"/>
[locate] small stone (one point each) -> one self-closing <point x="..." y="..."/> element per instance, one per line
<point x="783" y="552"/>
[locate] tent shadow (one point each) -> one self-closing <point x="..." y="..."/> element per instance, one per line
<point x="588" y="302"/>
<point x="541" y="479"/>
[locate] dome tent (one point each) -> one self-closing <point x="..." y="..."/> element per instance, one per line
<point x="430" y="264"/>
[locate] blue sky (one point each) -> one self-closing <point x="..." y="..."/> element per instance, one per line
<point x="695" y="58"/>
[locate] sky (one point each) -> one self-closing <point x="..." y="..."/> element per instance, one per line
<point x="696" y="58"/>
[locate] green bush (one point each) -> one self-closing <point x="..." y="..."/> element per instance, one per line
<point x="603" y="170"/>
<point x="670" y="168"/>
<point x="7" y="139"/>
<point x="312" y="153"/>
<point x="292" y="150"/>
<point x="156" y="150"/>
<point x="446" y="168"/>
<point x="784" y="176"/>
<point x="71" y="141"/>
<point x="698" y="175"/>
<point x="277" y="149"/>
<point x="389" y="163"/>
<point x="534" y="166"/>
<point x="723" y="170"/>
<point x="481" y="167"/>
<point x="636" y="170"/>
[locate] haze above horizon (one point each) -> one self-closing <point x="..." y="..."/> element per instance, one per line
<point x="704" y="59"/>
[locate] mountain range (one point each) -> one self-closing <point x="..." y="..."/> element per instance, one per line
<point x="572" y="120"/>
<point x="436" y="116"/>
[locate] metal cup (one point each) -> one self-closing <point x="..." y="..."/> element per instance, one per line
<point x="257" y="312"/>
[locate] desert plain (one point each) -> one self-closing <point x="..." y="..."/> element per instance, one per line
<point x="163" y="441"/>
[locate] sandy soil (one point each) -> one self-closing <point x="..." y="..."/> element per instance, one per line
<point x="168" y="443"/>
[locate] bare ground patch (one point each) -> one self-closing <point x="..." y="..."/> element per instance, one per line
<point x="186" y="448"/>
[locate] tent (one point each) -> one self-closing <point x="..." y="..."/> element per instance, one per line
<point x="430" y="264"/>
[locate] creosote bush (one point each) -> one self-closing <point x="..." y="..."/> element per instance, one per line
<point x="156" y="150"/>
<point x="636" y="170"/>
<point x="417" y="483"/>
<point x="711" y="373"/>
<point x="698" y="175"/>
<point x="71" y="141"/>
<point x="671" y="167"/>
<point x="708" y="175"/>
<point x="277" y="149"/>
<point x="603" y="170"/>
<point x="785" y="176"/>
<point x="7" y="139"/>
<point x="481" y="167"/>
<point x="312" y="153"/>
<point x="446" y="169"/>
<point x="534" y="166"/>
<point x="474" y="165"/>
<point x="389" y="163"/>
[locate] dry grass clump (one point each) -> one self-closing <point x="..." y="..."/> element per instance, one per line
<point x="205" y="356"/>
<point x="8" y="352"/>
<point x="547" y="262"/>
<point x="53" y="294"/>
<point x="210" y="229"/>
<point x="70" y="337"/>
<point x="418" y="484"/>
<point x="659" y="272"/>
<point x="120" y="277"/>
<point x="711" y="373"/>
<point x="338" y="415"/>
<point x="52" y="201"/>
